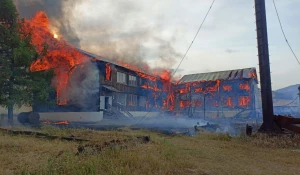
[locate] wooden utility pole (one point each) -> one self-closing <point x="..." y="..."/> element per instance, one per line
<point x="299" y="94"/>
<point x="264" y="68"/>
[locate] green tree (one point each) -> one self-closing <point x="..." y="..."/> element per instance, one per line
<point x="17" y="83"/>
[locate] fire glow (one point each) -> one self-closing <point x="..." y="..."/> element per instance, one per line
<point x="245" y="87"/>
<point x="48" y="122"/>
<point x="107" y="72"/>
<point x="60" y="55"/>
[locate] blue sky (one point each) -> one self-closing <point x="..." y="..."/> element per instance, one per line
<point x="226" y="41"/>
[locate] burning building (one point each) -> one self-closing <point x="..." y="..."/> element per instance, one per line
<point x="112" y="87"/>
<point x="85" y="82"/>
<point x="231" y="93"/>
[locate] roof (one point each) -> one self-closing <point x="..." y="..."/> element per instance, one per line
<point x="246" y="73"/>
<point x="110" y="88"/>
<point x="127" y="66"/>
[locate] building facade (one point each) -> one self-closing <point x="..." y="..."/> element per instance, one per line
<point x="225" y="94"/>
<point x="103" y="84"/>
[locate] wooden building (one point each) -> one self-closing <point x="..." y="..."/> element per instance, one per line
<point x="231" y="93"/>
<point x="103" y="84"/>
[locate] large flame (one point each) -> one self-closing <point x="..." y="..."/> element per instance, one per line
<point x="60" y="55"/>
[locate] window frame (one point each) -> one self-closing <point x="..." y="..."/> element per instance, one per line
<point x="136" y="80"/>
<point x="120" y="72"/>
<point x="111" y="73"/>
<point x="145" y="102"/>
<point x="130" y="99"/>
<point x="244" y="97"/>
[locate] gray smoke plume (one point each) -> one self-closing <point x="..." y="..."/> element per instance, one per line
<point x="58" y="11"/>
<point x="118" y="30"/>
<point x="83" y="85"/>
<point x="125" y="31"/>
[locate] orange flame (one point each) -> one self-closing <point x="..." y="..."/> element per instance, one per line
<point x="227" y="88"/>
<point x="60" y="55"/>
<point x="215" y="87"/>
<point x="107" y="72"/>
<point x="245" y="87"/>
<point x="61" y="123"/>
<point x="200" y="89"/>
<point x="244" y="101"/>
<point x="184" y="104"/>
<point x="216" y="104"/>
<point x="229" y="102"/>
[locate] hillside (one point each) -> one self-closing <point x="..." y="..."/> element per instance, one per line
<point x="287" y="93"/>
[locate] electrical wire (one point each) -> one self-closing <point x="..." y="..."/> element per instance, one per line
<point x="291" y="102"/>
<point x="284" y="33"/>
<point x="183" y="55"/>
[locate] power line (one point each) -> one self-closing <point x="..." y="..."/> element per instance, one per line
<point x="194" y="37"/>
<point x="183" y="55"/>
<point x="291" y="102"/>
<point x="284" y="33"/>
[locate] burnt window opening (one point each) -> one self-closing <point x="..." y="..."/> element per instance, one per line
<point x="229" y="102"/>
<point x="244" y="101"/>
<point x="227" y="88"/>
<point x="184" y="91"/>
<point x="107" y="72"/>
<point x="245" y="86"/>
<point x="197" y="103"/>
<point x="121" y="98"/>
<point x="213" y="86"/>
<point x="199" y="89"/>
<point x="121" y="78"/>
<point x="142" y="101"/>
<point x="184" y="103"/>
<point x="216" y="104"/>
<point x="132" y="80"/>
<point x="132" y="100"/>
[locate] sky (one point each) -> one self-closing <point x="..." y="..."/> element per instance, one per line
<point x="159" y="32"/>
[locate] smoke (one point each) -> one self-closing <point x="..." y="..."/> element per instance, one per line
<point x="59" y="13"/>
<point x="118" y="30"/>
<point x="185" y="125"/>
<point x="84" y="86"/>
<point x="125" y="31"/>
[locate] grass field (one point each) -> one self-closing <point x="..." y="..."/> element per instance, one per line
<point x="202" y="154"/>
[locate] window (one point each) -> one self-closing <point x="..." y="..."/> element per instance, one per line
<point x="121" y="98"/>
<point x="245" y="86"/>
<point x="132" y="80"/>
<point x="227" y="88"/>
<point x="107" y="72"/>
<point x="121" y="78"/>
<point x="244" y="101"/>
<point x="142" y="101"/>
<point x="229" y="102"/>
<point x="132" y="100"/>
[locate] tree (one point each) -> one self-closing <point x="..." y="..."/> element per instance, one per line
<point x="17" y="83"/>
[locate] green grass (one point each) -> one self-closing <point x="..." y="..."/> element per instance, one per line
<point x="202" y="154"/>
